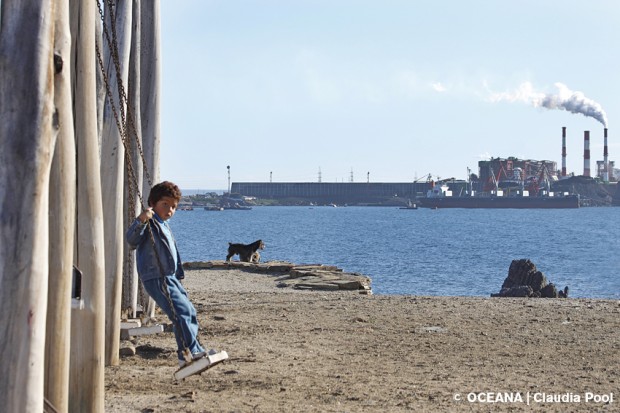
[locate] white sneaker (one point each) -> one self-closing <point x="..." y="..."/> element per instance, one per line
<point x="199" y="355"/>
<point x="196" y="356"/>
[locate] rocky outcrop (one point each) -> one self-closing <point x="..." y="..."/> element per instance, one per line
<point x="524" y="280"/>
<point x="301" y="277"/>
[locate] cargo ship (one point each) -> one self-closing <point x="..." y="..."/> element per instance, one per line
<point x="441" y="197"/>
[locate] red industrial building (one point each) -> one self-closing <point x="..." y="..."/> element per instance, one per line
<point x="525" y="174"/>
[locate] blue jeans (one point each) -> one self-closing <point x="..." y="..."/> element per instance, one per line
<point x="185" y="320"/>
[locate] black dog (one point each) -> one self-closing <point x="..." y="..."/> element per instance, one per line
<point x="247" y="253"/>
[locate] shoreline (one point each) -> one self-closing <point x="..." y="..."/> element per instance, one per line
<point x="295" y="350"/>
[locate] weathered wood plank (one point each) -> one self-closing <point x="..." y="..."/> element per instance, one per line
<point x="131" y="324"/>
<point x="200" y="365"/>
<point x="126" y="333"/>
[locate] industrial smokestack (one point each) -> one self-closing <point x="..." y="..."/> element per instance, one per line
<point x="563" y="150"/>
<point x="605" y="160"/>
<point x="586" y="153"/>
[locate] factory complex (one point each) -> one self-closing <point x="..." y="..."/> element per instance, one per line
<point x="498" y="177"/>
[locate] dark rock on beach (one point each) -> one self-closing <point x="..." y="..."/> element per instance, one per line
<point x="524" y="280"/>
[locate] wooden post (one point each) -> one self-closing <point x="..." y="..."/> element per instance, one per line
<point x="150" y="58"/>
<point x="131" y="282"/>
<point x="61" y="222"/>
<point x="112" y="167"/>
<point x="86" y="392"/>
<point x="27" y="140"/>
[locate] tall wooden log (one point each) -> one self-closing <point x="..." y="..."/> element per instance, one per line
<point x="133" y="184"/>
<point x="86" y="383"/>
<point x="150" y="69"/>
<point x="27" y="139"/>
<point x="112" y="167"/>
<point x="61" y="222"/>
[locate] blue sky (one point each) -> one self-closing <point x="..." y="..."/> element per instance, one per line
<point x="396" y="89"/>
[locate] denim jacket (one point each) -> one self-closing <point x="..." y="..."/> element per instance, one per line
<point x="138" y="238"/>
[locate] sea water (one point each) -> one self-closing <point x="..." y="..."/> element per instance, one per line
<point x="456" y="252"/>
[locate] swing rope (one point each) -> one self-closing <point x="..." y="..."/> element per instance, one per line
<point x="128" y="120"/>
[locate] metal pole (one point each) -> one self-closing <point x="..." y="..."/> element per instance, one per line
<point x="228" y="167"/>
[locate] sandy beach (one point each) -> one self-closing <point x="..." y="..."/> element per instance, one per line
<point x="314" y="351"/>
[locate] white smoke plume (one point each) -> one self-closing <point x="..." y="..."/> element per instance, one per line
<point x="564" y="99"/>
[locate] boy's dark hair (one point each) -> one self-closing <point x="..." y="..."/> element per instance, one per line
<point x="163" y="189"/>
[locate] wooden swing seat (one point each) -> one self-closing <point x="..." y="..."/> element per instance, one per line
<point x="200" y="365"/>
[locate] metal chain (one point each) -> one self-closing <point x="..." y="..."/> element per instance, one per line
<point x="133" y="180"/>
<point x="121" y="90"/>
<point x="123" y="131"/>
<point x="123" y="97"/>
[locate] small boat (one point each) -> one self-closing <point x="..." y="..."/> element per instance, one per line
<point x="410" y="205"/>
<point x="186" y="208"/>
<point x="237" y="207"/>
<point x="213" y="208"/>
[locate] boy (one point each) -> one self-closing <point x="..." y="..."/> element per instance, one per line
<point x="160" y="269"/>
